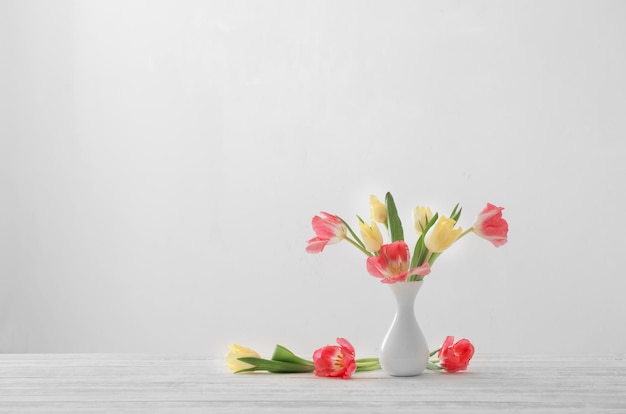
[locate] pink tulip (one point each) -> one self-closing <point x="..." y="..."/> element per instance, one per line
<point x="392" y="263"/>
<point x="455" y="356"/>
<point x="491" y="226"/>
<point x="329" y="229"/>
<point x="335" y="361"/>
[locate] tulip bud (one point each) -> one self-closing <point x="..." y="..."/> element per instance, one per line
<point x="491" y="226"/>
<point x="441" y="235"/>
<point x="236" y="352"/>
<point x="455" y="356"/>
<point x="421" y="217"/>
<point x="372" y="237"/>
<point x="378" y="211"/>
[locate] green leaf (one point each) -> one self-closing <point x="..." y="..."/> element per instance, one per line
<point x="433" y="367"/>
<point x="393" y="220"/>
<point x="454" y="210"/>
<point x="420" y="252"/>
<point x="283" y="354"/>
<point x="278" y="367"/>
<point x="456" y="215"/>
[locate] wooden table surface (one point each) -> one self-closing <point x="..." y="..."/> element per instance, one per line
<point x="128" y="383"/>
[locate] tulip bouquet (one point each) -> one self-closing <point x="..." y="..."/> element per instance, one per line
<point x="391" y="262"/>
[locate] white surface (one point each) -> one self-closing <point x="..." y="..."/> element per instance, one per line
<point x="193" y="384"/>
<point x="160" y="163"/>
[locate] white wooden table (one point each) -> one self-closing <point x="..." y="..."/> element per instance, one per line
<point x="94" y="383"/>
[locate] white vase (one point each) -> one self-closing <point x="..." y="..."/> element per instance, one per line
<point x="404" y="352"/>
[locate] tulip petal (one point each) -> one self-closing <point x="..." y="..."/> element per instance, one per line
<point x="422" y="270"/>
<point x="345" y="345"/>
<point x="316" y="245"/>
<point x="376" y="265"/>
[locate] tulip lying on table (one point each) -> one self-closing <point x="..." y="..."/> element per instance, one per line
<point x="338" y="361"/>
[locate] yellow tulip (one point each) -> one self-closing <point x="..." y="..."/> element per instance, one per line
<point x="238" y="351"/>
<point x="441" y="235"/>
<point x="378" y="211"/>
<point x="421" y="217"/>
<point x="371" y="236"/>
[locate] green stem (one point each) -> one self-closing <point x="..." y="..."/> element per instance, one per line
<point x="415" y="278"/>
<point x="356" y="242"/>
<point x="433" y="367"/>
<point x="361" y="368"/>
<point x="361" y="248"/>
<point x="432" y="257"/>
<point x="367" y="364"/>
<point x="465" y="232"/>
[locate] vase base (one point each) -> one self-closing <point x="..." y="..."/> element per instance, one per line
<point x="403" y="373"/>
<point x="404" y="367"/>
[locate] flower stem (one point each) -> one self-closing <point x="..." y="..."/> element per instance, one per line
<point x="433" y="367"/>
<point x="414" y="278"/>
<point x="356" y="242"/>
<point x="432" y="257"/>
<point x="465" y="232"/>
<point x="361" y="248"/>
<point x="367" y="364"/>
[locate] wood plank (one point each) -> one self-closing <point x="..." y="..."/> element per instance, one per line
<point x="94" y="383"/>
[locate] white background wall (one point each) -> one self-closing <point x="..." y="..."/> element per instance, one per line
<point x="160" y="162"/>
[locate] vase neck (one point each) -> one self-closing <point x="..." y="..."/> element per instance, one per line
<point x="405" y="292"/>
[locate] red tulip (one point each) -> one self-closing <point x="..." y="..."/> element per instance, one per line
<point x="329" y="229"/>
<point x="392" y="263"/>
<point x="491" y="226"/>
<point x="335" y="361"/>
<point x="455" y="357"/>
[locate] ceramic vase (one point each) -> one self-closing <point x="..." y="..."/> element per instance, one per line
<point x="404" y="351"/>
